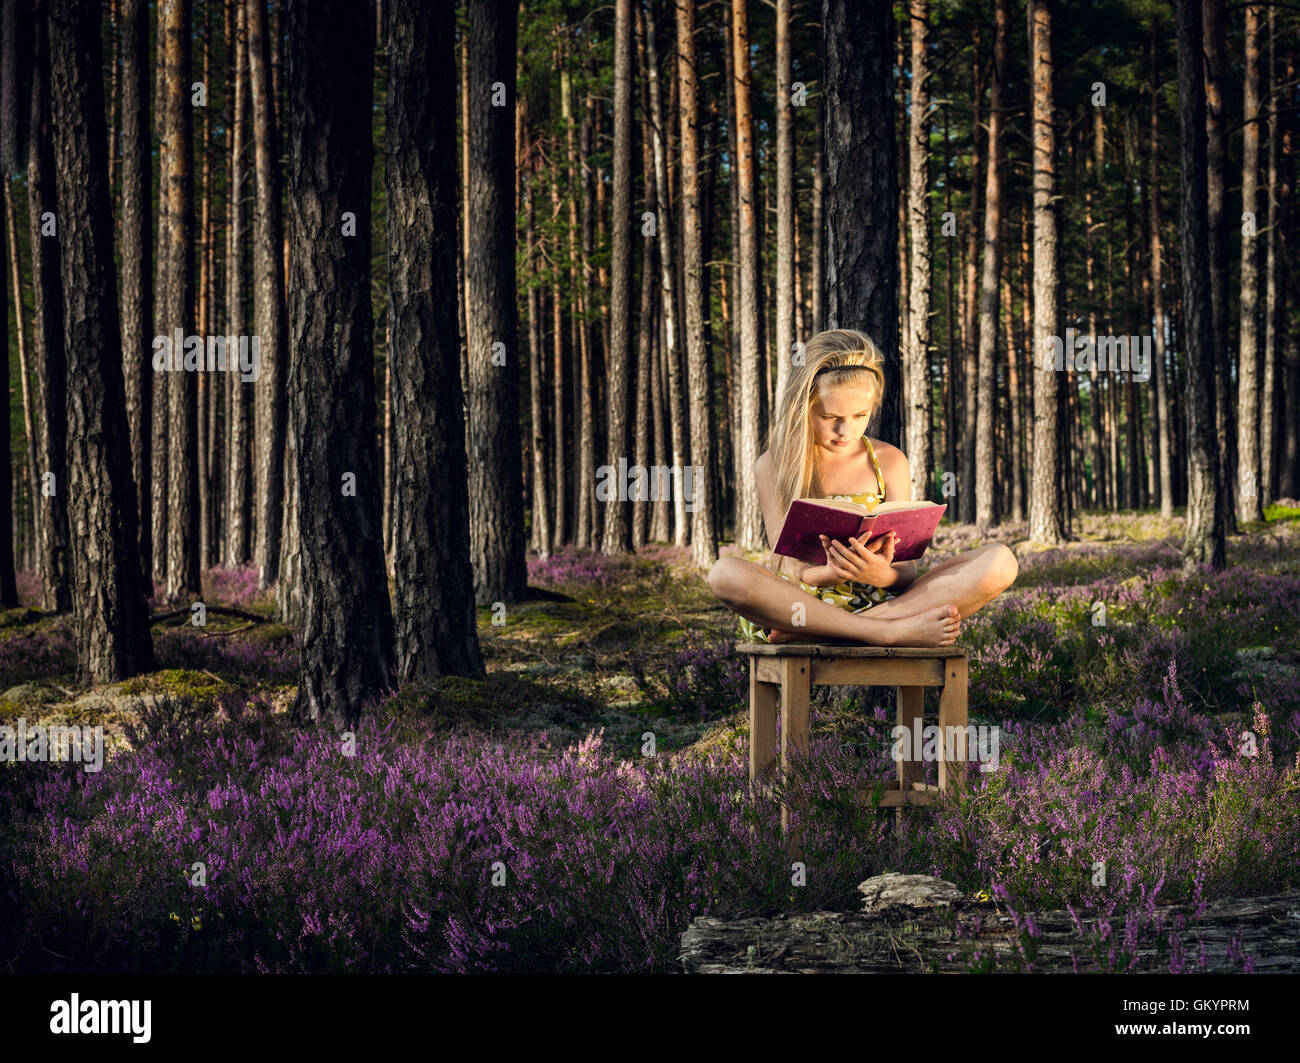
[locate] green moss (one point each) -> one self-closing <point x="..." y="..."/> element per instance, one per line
<point x="180" y="682"/>
<point x="18" y="617"/>
<point x="268" y="635"/>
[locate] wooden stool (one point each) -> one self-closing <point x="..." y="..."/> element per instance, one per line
<point x="792" y="669"/>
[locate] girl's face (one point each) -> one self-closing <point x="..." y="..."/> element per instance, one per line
<point x="839" y="417"/>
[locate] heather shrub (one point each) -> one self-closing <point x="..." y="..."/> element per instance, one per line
<point x="316" y="861"/>
<point x="40" y="652"/>
<point x="704" y="680"/>
<point x="273" y="661"/>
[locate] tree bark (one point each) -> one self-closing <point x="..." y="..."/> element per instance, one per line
<point x="904" y="939"/>
<point x="1204" y="542"/>
<point x="496" y="475"/>
<point x="749" y="533"/>
<point x="704" y="527"/>
<point x="862" y="276"/>
<point x="239" y="396"/>
<point x="920" y="434"/>
<point x="8" y="580"/>
<point x="436" y="629"/>
<point x="269" y="308"/>
<point x="1249" y="489"/>
<point x="667" y="259"/>
<point x="1158" y="294"/>
<point x="966" y="477"/>
<point x="177" y="310"/>
<point x="24" y="377"/>
<point x="1047" y="522"/>
<point x="1274" y="324"/>
<point x="1215" y="34"/>
<point x="985" y="512"/>
<point x="109" y="600"/>
<point x="160" y="450"/>
<point x="347" y="641"/>
<point x="785" y="202"/>
<point x="47" y="301"/>
<point x="137" y="262"/>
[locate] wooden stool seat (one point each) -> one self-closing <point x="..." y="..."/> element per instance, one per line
<point x="789" y="671"/>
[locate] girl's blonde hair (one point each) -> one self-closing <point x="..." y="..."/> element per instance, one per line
<point x="834" y="358"/>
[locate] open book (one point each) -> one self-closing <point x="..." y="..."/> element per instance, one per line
<point x="806" y="518"/>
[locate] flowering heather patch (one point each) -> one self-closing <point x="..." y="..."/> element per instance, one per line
<point x="570" y="568"/>
<point x="706" y="679"/>
<point x="39" y="653"/>
<point x="577" y="572"/>
<point x="235" y="587"/>
<point x="385" y="861"/>
<point x="186" y="647"/>
<point x="1038" y="652"/>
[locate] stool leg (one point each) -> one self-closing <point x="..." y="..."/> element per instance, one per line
<point x="762" y="724"/>
<point x="952" y="713"/>
<point x="796" y="680"/>
<point x="911" y="715"/>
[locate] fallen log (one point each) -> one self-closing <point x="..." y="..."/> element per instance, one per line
<point x="902" y="939"/>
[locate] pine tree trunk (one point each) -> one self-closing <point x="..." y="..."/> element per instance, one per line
<point x="985" y="513"/>
<point x="203" y="312"/>
<point x="643" y="502"/>
<point x="785" y="201"/>
<point x="816" y="273"/>
<point x="239" y="394"/>
<point x="1289" y="448"/>
<point x="1274" y="324"/>
<point x="704" y="526"/>
<point x="496" y="477"/>
<point x="435" y="625"/>
<point x="177" y="308"/>
<point x="29" y="428"/>
<point x="268" y="283"/>
<point x="920" y="434"/>
<point x="8" y="580"/>
<point x="560" y="463"/>
<point x="1204" y="543"/>
<point x="749" y="534"/>
<point x="160" y="382"/>
<point x="1249" y="490"/>
<point x="1046" y="502"/>
<point x="109" y="600"/>
<point x="1215" y="32"/>
<point x="347" y="641"/>
<point x="1132" y="271"/>
<point x="1158" y="295"/>
<point x="137" y="260"/>
<point x="862" y="280"/>
<point x="542" y="522"/>
<point x="667" y="259"/>
<point x="47" y="300"/>
<point x="966" y="478"/>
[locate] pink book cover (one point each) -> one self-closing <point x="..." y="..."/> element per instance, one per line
<point x="804" y="521"/>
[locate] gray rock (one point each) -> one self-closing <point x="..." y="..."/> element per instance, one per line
<point x="914" y="891"/>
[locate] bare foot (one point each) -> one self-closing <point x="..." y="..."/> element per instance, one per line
<point x="777" y="637"/>
<point x="934" y="627"/>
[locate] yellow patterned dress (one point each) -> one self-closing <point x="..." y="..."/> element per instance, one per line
<point x="851" y="595"/>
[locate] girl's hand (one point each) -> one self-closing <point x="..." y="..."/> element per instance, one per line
<point x="863" y="562"/>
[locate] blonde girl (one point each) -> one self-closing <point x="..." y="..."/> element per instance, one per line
<point x="818" y="447"/>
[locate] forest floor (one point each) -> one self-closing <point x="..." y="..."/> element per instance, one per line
<point x="1121" y="682"/>
<point x="636" y="645"/>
